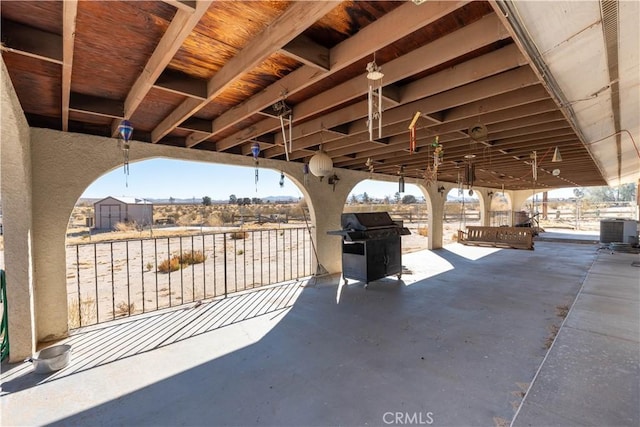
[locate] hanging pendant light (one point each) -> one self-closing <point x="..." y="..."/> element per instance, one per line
<point x="321" y="164"/>
<point x="125" y="130"/>
<point x="255" y="151"/>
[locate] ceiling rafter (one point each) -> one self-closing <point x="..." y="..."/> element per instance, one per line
<point x="277" y="34"/>
<point x="25" y="40"/>
<point x="478" y="34"/>
<point x="69" y="12"/>
<point x="182" y="24"/>
<point x="493" y="63"/>
<point x="397" y="24"/>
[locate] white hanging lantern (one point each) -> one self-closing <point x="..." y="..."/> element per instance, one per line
<point x="321" y="164"/>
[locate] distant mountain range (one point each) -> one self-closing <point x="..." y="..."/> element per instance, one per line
<point x="198" y="200"/>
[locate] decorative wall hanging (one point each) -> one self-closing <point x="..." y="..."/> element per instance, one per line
<point x="125" y="130"/>
<point x="556" y="156"/>
<point x="320" y="164"/>
<point x="305" y="174"/>
<point x="412" y="133"/>
<point x="374" y="98"/>
<point x="333" y="180"/>
<point x="286" y="119"/>
<point x="255" y="151"/>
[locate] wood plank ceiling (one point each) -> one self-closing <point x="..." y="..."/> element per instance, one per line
<point x="206" y="75"/>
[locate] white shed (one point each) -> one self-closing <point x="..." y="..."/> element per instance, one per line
<point x="112" y="210"/>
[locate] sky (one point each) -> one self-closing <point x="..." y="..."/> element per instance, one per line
<point x="164" y="178"/>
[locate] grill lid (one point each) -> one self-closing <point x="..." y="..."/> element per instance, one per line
<point x="366" y="221"/>
<point x="369" y="225"/>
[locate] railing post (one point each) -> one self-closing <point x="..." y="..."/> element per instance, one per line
<point x="224" y="252"/>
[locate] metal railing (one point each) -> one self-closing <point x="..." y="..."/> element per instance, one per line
<point x="4" y="326"/>
<point x="111" y="280"/>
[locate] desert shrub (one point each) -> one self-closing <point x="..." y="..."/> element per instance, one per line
<point x="169" y="265"/>
<point x="124" y="309"/>
<point x="215" y="220"/>
<point x="193" y="257"/>
<point x="149" y="266"/>
<point x="239" y="235"/>
<point x="240" y="252"/>
<point x="86" y="312"/>
<point x="423" y="231"/>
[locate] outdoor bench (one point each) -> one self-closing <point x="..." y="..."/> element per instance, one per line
<point x="500" y="237"/>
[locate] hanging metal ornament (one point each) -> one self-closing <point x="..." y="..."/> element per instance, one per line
<point x="286" y="120"/>
<point x="255" y="151"/>
<point x="401" y="180"/>
<point x="374" y="97"/>
<point x="412" y="133"/>
<point x="125" y="130"/>
<point x="534" y="165"/>
<point x="438" y="153"/>
<point x="281" y="179"/>
<point x="369" y="165"/>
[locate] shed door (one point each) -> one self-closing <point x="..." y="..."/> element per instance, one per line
<point x="109" y="216"/>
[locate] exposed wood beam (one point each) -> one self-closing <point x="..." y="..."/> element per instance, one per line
<point x="179" y="29"/>
<point x="505" y="110"/>
<point x="305" y="50"/>
<point x="496" y="62"/>
<point x="184" y="5"/>
<point x="182" y="84"/>
<point x="29" y="41"/>
<point x="96" y="106"/>
<point x="282" y="30"/>
<point x="69" y="12"/>
<point x="395" y="25"/>
<point x="458" y="43"/>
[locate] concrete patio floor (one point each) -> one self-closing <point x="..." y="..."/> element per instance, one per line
<point x="458" y="342"/>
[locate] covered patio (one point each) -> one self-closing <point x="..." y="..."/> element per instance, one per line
<point x="459" y="341"/>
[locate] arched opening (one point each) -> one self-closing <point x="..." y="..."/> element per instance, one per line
<point x="461" y="209"/>
<point x="499" y="209"/>
<point x="410" y="207"/>
<point x="179" y="232"/>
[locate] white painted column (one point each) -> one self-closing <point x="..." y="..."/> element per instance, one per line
<point x="435" y="203"/>
<point x="15" y="191"/>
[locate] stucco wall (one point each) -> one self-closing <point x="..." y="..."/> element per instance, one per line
<point x="65" y="164"/>
<point x="15" y="191"/>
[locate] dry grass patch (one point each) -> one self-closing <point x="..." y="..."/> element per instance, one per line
<point x="82" y="312"/>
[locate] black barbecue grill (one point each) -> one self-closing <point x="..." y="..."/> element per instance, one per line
<point x="371" y="246"/>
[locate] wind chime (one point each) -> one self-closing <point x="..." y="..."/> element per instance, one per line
<point x="125" y="130"/>
<point x="255" y="151"/>
<point x="470" y="172"/>
<point x="401" y="180"/>
<point x="285" y="113"/>
<point x="281" y="179"/>
<point x="374" y="97"/>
